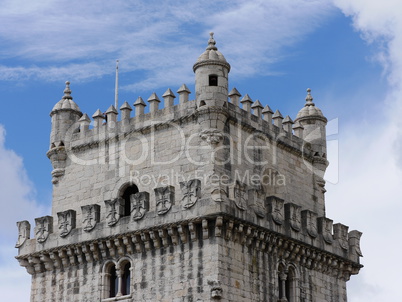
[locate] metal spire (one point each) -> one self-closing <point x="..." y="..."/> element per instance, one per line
<point x="116" y="89"/>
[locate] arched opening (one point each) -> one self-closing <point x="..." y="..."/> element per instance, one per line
<point x="125" y="279"/>
<point x="213" y="80"/>
<point x="132" y="189"/>
<point x="113" y="282"/>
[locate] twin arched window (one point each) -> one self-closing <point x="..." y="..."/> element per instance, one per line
<point x="117" y="279"/>
<point x="287" y="287"/>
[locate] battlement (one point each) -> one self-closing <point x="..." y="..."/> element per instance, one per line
<point x="314" y="241"/>
<point x="250" y="114"/>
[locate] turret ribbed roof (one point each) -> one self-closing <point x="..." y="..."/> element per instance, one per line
<point x="211" y="55"/>
<point x="309" y="108"/>
<point x="66" y="103"/>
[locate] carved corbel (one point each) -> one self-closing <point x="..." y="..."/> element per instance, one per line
<point x="218" y="226"/>
<point x="173" y="235"/>
<point x="205" y="231"/>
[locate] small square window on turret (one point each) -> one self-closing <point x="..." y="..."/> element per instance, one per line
<point x="213" y="80"/>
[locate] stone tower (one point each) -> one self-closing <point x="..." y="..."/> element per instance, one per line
<point x="199" y="201"/>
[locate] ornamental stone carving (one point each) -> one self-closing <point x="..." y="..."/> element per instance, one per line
<point x="325" y="228"/>
<point x="211" y="136"/>
<point x="164" y="199"/>
<point x="276" y="209"/>
<point x="24" y="232"/>
<point x="341" y="235"/>
<point x="43" y="227"/>
<point x="66" y="222"/>
<point x="216" y="289"/>
<point x="257" y="203"/>
<point x="354" y="243"/>
<point x="90" y="216"/>
<point x="309" y="223"/>
<point x="293" y="215"/>
<point x="139" y="204"/>
<point x="114" y="210"/>
<point x="191" y="191"/>
<point x="240" y="195"/>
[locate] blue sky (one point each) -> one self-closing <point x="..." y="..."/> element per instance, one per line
<point x="347" y="52"/>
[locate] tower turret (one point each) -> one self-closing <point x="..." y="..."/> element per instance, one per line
<point x="64" y="114"/>
<point x="314" y="122"/>
<point x="211" y="76"/>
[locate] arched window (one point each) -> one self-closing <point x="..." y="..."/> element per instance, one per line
<point x="126" y="197"/>
<point x="125" y="279"/>
<point x="117" y="279"/>
<point x="114" y="286"/>
<point x="213" y="80"/>
<point x="287" y="284"/>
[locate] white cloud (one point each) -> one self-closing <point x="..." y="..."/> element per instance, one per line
<point x="17" y="203"/>
<point x="85" y="37"/>
<point x="367" y="196"/>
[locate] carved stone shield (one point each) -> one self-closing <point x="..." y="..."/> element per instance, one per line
<point x="114" y="210"/>
<point x="43" y="227"/>
<point x="191" y="191"/>
<point x="325" y="228"/>
<point x="240" y="196"/>
<point x="309" y="222"/>
<point x="164" y="199"/>
<point x="139" y="204"/>
<point x="90" y="216"/>
<point x="277" y="209"/>
<point x="257" y="202"/>
<point x="341" y="235"/>
<point x="293" y="216"/>
<point x="66" y="222"/>
<point x="24" y="232"/>
<point x="354" y="242"/>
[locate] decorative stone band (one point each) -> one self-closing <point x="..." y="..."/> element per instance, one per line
<point x="211" y="62"/>
<point x="225" y="227"/>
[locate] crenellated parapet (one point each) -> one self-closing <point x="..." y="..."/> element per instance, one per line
<point x="338" y="256"/>
<point x="274" y="226"/>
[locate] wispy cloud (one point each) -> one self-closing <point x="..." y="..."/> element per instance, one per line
<point x="368" y="193"/>
<point x="77" y="39"/>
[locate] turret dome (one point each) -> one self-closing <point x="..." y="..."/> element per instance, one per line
<point x="66" y="103"/>
<point x="211" y="56"/>
<point x="309" y="109"/>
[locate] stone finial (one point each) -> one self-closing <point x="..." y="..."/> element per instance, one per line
<point x="168" y="98"/>
<point x="139" y="106"/>
<point x="277" y="117"/>
<point x="98" y="118"/>
<point x="111" y="110"/>
<point x="234" y="96"/>
<point x="67" y="92"/>
<point x="183" y="94"/>
<point x="111" y="116"/>
<point x="153" y="101"/>
<point x="84" y="123"/>
<point x="211" y="42"/>
<point x="257" y="108"/>
<point x="267" y="114"/>
<point x="309" y="98"/>
<point x="287" y="123"/>
<point x="125" y="111"/>
<point x="246" y="102"/>
<point x="298" y="128"/>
